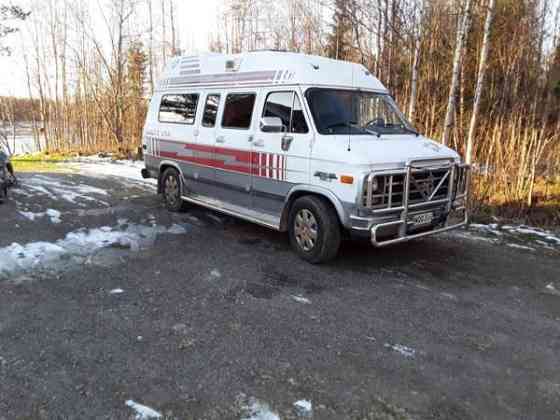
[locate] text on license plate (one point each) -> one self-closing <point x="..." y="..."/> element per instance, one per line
<point x="422" y="219"/>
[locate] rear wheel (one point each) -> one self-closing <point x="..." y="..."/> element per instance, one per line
<point x="314" y="229"/>
<point x="172" y="190"/>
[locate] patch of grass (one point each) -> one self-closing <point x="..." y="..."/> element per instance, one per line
<point x="41" y="162"/>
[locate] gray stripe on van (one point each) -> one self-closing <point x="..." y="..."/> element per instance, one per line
<point x="251" y="76"/>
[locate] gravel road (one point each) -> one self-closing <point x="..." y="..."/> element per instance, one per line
<point x="112" y="308"/>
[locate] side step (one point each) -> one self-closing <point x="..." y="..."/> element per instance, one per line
<point x="249" y="215"/>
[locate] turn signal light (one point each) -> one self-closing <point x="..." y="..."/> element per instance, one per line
<point x="347" y="179"/>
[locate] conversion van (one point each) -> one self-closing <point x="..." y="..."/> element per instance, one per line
<point x="301" y="144"/>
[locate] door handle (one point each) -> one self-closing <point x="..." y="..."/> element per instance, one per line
<point x="220" y="139"/>
<point x="258" y="143"/>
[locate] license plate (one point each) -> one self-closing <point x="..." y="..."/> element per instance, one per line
<point x="422" y="219"/>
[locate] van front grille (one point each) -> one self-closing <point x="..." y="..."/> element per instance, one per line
<point x="387" y="191"/>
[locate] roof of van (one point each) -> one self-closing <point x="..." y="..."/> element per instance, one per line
<point x="265" y="68"/>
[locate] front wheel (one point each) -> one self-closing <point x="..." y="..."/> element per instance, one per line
<point x="314" y="229"/>
<point x="171" y="188"/>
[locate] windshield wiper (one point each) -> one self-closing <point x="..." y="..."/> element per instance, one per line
<point x="405" y="128"/>
<point x="351" y="124"/>
<point x="411" y="131"/>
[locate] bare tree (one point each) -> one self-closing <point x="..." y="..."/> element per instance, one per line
<point x="481" y="78"/>
<point x="462" y="33"/>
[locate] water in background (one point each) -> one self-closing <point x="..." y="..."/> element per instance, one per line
<point x="24" y="143"/>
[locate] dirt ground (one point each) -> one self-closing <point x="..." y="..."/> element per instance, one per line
<point x="110" y="305"/>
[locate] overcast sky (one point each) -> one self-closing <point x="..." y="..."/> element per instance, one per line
<point x="195" y="19"/>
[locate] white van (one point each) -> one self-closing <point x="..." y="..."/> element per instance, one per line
<point x="301" y="144"/>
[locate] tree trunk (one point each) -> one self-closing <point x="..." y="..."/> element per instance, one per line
<point x="481" y="76"/>
<point x="415" y="66"/>
<point x="462" y="33"/>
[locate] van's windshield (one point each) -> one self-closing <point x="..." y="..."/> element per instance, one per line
<point x="356" y="113"/>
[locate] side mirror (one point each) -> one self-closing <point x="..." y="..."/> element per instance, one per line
<point x="272" y="125"/>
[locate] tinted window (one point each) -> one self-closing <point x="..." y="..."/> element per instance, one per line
<point x="178" y="109"/>
<point x="211" y="110"/>
<point x="238" y="110"/>
<point x="287" y="107"/>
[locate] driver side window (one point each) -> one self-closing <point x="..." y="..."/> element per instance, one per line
<point x="287" y="107"/>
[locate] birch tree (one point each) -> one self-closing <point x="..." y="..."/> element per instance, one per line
<point x="480" y="82"/>
<point x="462" y="33"/>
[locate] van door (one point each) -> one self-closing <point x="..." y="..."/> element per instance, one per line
<point x="203" y="173"/>
<point x="280" y="155"/>
<point x="232" y="151"/>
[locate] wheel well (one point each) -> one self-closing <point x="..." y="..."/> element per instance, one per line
<point x="296" y="195"/>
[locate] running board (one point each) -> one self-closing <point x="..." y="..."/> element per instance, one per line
<point x="262" y="219"/>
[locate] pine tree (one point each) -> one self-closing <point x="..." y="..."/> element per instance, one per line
<point x="136" y="77"/>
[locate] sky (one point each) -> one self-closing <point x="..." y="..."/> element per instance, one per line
<point x="195" y="19"/>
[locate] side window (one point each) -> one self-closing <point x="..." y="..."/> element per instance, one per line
<point x="238" y="110"/>
<point x="287" y="107"/>
<point x="211" y="110"/>
<point x="178" y="109"/>
<point x="299" y="125"/>
<point x="279" y="105"/>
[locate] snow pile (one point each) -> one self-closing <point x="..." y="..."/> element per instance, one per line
<point x="18" y="258"/>
<point x="143" y="412"/>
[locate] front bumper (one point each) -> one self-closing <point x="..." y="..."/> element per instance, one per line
<point x="408" y="235"/>
<point x="390" y="226"/>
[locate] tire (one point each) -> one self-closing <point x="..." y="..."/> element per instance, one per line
<point x="171" y="187"/>
<point x="314" y="229"/>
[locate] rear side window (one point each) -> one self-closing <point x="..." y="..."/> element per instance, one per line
<point x="178" y="109"/>
<point x="238" y="110"/>
<point x="287" y="107"/>
<point x="211" y="111"/>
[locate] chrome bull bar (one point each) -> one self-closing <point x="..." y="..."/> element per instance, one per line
<point x="403" y="223"/>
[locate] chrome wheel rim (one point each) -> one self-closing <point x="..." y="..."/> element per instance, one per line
<point x="171" y="190"/>
<point x="306" y="230"/>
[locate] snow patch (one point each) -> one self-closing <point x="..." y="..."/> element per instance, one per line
<point x="56" y="190"/>
<point x="116" y="292"/>
<point x="18" y="258"/>
<point x="304" y="408"/>
<point x="123" y="169"/>
<point x="404" y="350"/>
<point x="54" y="215"/>
<point x="258" y="410"/>
<point x="301" y="299"/>
<point x="523" y="247"/>
<point x="143" y="412"/>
